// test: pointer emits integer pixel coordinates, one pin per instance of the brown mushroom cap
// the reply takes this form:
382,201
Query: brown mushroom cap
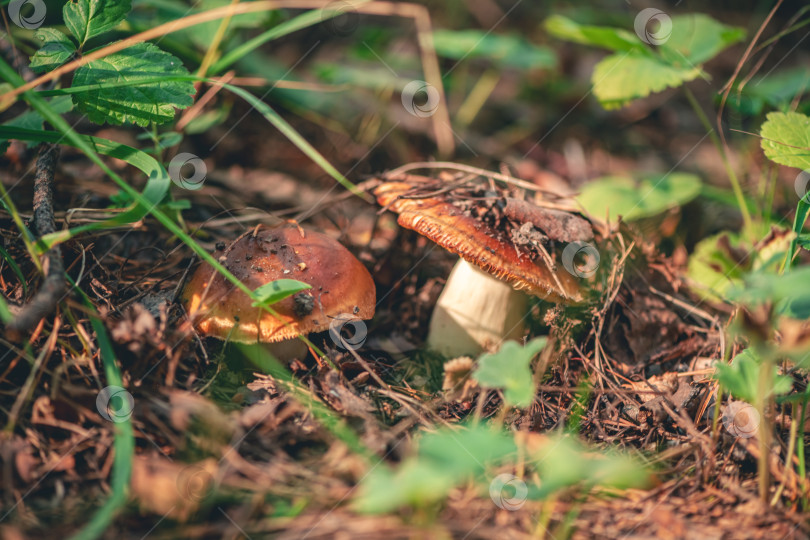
340,285
475,242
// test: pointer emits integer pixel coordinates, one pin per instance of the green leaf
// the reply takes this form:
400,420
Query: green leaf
697,38
741,378
564,462
621,78
278,290
55,51
775,89
33,120
445,459
5,315
713,268
786,139
153,193
636,71
508,369
619,196
615,39
510,50
414,483
468,451
140,105
88,18
789,292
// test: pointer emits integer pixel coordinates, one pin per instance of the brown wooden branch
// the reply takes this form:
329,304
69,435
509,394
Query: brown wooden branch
54,286
556,224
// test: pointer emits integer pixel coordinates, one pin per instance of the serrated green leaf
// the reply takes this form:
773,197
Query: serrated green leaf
741,377
33,120
88,18
140,105
635,71
276,291
697,38
621,78
619,196
505,49
786,139
57,48
508,369
615,39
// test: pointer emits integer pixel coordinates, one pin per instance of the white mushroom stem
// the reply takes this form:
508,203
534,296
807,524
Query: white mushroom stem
475,312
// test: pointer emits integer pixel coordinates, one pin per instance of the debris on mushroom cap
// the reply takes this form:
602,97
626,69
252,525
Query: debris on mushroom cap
461,225
340,285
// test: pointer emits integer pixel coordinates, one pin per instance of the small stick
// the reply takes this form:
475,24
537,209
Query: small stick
54,286
557,225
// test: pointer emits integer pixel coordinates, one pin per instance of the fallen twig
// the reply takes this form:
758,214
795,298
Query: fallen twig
53,287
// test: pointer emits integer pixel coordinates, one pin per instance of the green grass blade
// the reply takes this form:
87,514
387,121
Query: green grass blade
302,21
296,138
124,437
14,268
154,192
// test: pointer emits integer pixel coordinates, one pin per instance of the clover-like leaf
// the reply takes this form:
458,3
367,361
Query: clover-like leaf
153,101
786,139
57,48
741,378
509,370
88,18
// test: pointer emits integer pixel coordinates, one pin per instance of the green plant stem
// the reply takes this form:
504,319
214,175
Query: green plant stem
763,391
735,182
789,453
800,450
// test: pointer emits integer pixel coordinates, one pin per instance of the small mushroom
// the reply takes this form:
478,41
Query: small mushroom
341,288
482,304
